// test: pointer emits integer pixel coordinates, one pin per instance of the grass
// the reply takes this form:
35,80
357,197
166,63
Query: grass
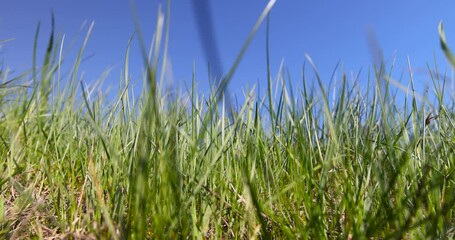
295,165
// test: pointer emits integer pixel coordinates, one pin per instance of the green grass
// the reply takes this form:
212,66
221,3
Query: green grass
295,165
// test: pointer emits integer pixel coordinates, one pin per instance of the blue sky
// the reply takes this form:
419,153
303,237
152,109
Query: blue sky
328,31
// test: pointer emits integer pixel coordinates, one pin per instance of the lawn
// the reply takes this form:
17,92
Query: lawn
294,165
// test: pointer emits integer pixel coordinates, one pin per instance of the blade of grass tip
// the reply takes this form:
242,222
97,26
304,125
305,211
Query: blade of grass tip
306,97
81,51
69,90
403,88
5,82
151,69
269,75
27,104
166,40
157,45
45,78
415,111
442,37
293,106
127,82
341,101
59,69
225,81
280,104
333,82
35,47
221,88
6,40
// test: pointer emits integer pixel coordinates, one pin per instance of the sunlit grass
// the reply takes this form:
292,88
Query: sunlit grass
294,165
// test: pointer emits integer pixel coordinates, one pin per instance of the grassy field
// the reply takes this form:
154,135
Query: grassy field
296,165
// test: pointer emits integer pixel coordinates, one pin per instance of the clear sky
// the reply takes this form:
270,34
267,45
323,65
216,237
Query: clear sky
329,31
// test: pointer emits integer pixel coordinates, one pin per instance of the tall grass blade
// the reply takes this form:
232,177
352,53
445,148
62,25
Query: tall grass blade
445,48
225,81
